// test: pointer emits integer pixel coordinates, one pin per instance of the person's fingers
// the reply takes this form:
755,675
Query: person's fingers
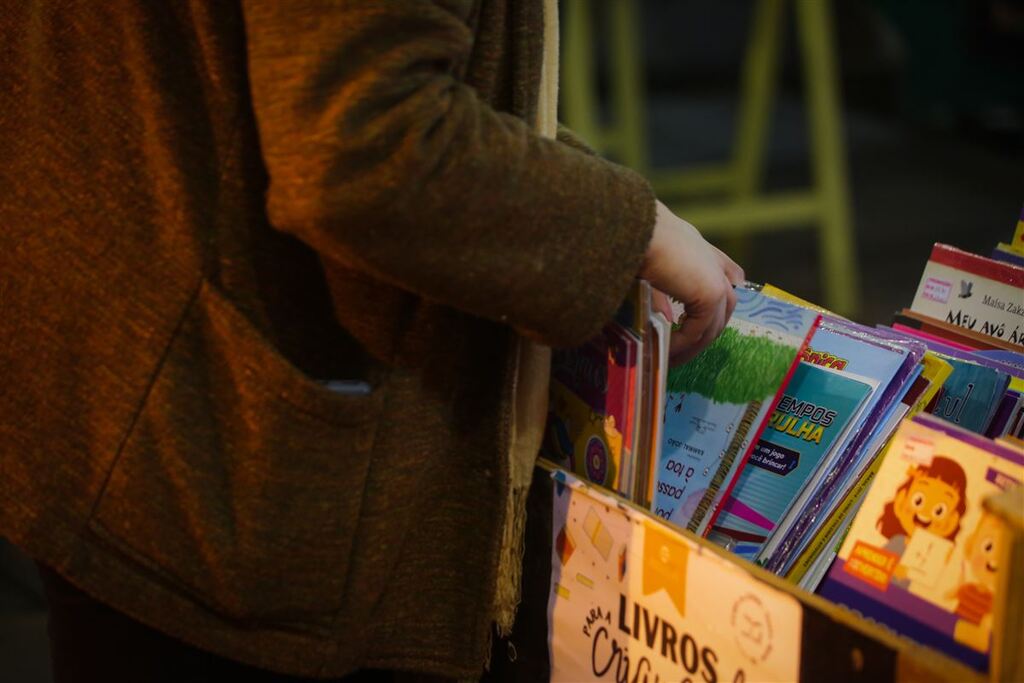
660,302
730,304
732,270
717,323
685,342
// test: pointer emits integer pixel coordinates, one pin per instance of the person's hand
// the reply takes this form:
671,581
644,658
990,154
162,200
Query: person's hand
682,264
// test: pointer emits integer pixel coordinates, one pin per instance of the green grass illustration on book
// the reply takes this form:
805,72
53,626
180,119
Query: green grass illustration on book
734,369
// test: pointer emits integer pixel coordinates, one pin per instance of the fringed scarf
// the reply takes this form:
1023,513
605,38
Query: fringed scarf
530,389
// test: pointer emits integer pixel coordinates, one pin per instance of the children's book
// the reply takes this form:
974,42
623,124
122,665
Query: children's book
923,556
973,292
1008,407
950,333
864,353
1018,235
590,405
718,404
970,396
661,330
633,316
1004,252
814,418
806,569
771,290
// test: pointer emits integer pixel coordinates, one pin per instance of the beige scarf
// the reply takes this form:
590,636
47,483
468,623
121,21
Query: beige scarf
530,388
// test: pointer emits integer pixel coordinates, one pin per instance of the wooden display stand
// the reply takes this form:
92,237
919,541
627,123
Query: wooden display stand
835,643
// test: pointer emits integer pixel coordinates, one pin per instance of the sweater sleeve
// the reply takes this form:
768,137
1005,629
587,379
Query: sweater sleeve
381,159
567,136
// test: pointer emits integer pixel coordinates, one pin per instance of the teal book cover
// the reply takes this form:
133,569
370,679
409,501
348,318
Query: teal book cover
970,396
817,410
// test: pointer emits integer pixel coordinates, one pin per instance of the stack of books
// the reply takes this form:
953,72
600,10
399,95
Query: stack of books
850,460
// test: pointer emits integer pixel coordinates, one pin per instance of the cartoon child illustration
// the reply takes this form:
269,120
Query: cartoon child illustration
933,498
974,597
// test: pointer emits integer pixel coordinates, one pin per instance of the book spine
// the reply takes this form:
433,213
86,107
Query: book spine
705,514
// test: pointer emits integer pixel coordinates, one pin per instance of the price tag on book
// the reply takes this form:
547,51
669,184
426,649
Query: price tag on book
633,600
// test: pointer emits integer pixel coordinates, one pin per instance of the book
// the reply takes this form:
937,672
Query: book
890,365
660,332
923,555
970,396
633,317
950,333
718,404
972,393
1007,409
814,417
817,553
771,290
1004,252
974,292
591,404
1018,234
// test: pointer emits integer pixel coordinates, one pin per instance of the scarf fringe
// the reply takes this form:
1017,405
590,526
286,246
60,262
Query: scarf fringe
510,568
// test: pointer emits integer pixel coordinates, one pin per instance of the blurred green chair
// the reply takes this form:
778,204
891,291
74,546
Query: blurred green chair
745,209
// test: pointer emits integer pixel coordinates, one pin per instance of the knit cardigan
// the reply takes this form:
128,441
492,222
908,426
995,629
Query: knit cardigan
210,207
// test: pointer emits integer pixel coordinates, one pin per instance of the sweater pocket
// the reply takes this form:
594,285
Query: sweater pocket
241,480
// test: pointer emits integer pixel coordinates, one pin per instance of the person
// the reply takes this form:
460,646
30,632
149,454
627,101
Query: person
277,284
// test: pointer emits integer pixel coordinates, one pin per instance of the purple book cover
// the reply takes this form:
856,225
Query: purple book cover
1005,411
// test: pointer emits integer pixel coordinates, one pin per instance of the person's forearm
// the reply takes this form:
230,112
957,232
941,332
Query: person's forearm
382,159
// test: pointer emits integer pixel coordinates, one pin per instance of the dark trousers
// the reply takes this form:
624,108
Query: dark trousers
92,643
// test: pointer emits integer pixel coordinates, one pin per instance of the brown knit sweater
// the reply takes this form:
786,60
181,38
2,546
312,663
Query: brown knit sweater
205,207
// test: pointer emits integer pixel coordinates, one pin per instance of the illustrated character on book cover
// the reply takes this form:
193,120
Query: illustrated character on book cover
978,576
923,519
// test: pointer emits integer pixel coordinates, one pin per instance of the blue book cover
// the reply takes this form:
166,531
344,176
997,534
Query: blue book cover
840,346
718,403
815,414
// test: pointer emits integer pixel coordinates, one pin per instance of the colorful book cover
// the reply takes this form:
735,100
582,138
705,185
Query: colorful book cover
718,404
1018,235
632,317
661,330
973,292
848,348
819,550
590,405
1014,358
814,416
1015,427
782,295
1004,252
970,396
1007,407
923,556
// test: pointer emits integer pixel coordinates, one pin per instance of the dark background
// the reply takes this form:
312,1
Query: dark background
934,126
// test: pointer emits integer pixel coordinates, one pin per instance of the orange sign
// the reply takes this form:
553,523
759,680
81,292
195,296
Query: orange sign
872,565
664,565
